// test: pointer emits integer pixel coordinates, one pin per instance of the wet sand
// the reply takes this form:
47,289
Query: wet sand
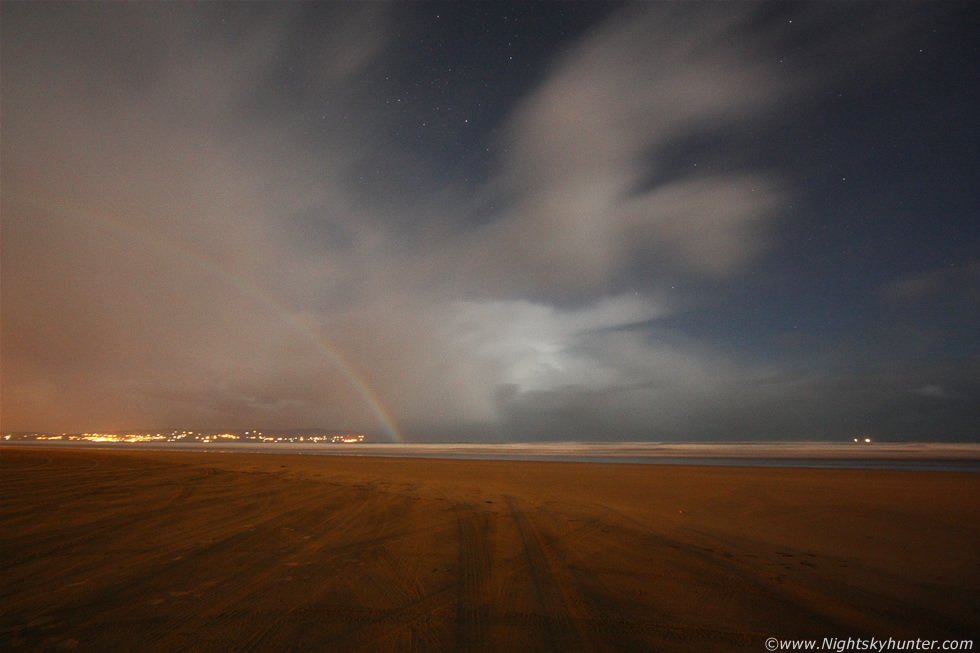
160,551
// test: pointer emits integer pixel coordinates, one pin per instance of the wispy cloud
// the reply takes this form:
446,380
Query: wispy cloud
951,281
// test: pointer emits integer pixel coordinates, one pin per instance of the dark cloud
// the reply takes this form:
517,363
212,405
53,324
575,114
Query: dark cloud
887,407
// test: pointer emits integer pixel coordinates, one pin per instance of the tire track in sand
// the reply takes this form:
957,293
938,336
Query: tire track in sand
552,584
472,628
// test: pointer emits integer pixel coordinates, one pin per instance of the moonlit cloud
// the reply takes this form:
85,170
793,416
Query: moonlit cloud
588,143
535,346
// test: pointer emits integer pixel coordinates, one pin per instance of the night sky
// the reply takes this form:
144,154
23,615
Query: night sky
493,220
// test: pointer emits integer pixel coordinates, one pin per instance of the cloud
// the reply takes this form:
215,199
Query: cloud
536,346
586,149
595,192
931,390
956,282
752,404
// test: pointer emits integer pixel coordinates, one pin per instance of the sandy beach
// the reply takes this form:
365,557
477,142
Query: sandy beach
166,551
